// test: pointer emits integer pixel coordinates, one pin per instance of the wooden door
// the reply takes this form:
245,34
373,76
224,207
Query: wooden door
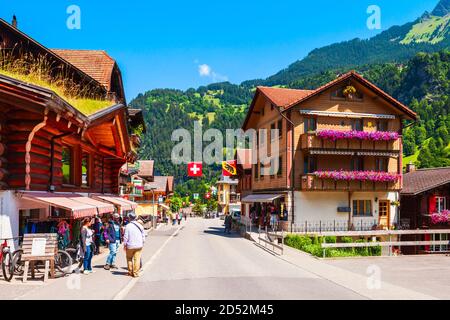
383,212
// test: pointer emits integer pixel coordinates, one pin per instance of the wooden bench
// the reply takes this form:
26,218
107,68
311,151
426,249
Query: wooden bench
39,247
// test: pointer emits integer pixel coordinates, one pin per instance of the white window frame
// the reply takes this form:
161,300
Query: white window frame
441,204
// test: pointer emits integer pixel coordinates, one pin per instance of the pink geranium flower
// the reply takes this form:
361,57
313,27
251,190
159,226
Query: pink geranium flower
359,135
358,175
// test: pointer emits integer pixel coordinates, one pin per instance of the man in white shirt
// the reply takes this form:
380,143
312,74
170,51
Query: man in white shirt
133,242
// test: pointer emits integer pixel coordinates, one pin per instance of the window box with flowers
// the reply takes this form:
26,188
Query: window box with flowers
442,217
341,175
334,135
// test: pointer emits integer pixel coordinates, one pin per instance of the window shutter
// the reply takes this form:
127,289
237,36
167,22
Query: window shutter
431,204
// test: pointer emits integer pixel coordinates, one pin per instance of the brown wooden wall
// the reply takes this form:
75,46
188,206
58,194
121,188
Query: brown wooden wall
16,127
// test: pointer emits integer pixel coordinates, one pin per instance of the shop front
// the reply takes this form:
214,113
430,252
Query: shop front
267,210
61,213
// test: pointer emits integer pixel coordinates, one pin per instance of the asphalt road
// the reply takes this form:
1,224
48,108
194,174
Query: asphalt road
200,262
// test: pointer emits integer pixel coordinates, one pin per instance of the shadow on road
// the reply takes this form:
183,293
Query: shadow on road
220,232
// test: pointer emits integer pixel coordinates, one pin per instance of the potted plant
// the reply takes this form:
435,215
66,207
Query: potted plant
349,92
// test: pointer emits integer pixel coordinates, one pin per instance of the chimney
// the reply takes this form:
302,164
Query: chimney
14,21
410,167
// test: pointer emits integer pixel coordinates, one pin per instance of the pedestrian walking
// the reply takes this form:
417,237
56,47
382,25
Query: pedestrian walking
228,221
87,243
185,216
133,242
179,217
98,232
173,217
113,240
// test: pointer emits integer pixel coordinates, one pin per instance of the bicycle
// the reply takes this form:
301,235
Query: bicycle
6,261
63,263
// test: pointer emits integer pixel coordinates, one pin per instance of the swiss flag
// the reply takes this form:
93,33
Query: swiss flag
195,169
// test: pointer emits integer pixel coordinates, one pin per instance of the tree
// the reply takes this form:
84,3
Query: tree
198,208
176,203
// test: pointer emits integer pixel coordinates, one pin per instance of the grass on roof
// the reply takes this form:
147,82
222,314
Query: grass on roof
36,71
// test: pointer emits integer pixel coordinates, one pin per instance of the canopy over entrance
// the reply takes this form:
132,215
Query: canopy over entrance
67,202
261,198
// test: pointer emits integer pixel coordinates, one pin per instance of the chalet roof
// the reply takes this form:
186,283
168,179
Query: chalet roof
288,98
159,184
16,31
422,180
137,118
145,168
282,97
96,63
362,80
244,158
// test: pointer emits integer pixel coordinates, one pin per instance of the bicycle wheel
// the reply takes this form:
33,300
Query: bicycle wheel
63,264
7,266
18,263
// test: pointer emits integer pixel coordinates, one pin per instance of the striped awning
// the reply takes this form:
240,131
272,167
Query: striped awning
378,154
333,152
124,204
261,198
347,114
63,201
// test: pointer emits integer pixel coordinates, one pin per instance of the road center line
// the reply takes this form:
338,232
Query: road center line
124,292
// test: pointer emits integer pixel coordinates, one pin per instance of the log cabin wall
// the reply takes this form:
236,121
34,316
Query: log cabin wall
19,127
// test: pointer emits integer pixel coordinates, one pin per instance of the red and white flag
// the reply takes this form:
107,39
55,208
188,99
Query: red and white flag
195,169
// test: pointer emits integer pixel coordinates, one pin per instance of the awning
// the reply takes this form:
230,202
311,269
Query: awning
102,207
78,209
126,205
261,198
164,206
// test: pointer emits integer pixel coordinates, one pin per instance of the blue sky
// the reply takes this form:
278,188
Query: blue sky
162,44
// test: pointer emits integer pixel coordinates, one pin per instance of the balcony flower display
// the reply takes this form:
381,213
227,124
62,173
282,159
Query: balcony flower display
358,175
440,217
360,135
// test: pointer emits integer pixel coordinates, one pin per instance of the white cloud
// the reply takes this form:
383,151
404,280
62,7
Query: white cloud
204,70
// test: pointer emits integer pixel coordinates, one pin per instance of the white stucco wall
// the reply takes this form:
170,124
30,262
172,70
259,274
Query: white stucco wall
322,206
10,204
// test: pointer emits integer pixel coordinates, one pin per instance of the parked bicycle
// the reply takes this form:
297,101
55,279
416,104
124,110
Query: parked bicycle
6,261
63,263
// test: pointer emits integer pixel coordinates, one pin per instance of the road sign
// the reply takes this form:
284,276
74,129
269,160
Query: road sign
195,196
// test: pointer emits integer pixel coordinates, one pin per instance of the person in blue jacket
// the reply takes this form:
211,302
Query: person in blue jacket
113,240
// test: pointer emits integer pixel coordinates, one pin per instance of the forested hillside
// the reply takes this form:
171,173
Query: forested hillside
418,79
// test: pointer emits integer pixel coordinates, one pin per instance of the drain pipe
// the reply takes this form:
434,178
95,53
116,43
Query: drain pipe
52,156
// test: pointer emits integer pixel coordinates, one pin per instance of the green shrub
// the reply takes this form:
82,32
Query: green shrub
362,251
346,239
330,239
375,251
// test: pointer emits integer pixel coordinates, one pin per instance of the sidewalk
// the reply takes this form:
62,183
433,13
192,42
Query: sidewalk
369,287
102,284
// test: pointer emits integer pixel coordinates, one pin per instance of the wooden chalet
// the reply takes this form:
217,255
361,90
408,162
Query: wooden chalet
55,160
340,155
426,193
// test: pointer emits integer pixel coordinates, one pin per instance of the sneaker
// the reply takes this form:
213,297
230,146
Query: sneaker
107,267
86,272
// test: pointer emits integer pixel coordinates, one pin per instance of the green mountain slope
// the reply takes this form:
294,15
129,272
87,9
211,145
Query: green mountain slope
430,33
417,73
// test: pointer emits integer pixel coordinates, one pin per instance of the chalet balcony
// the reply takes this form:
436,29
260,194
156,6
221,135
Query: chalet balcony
313,141
313,182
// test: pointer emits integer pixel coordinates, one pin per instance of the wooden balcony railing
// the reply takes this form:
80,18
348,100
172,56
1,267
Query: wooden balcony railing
311,182
311,141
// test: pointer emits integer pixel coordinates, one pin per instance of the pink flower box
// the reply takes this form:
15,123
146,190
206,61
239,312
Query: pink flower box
442,217
358,176
359,135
